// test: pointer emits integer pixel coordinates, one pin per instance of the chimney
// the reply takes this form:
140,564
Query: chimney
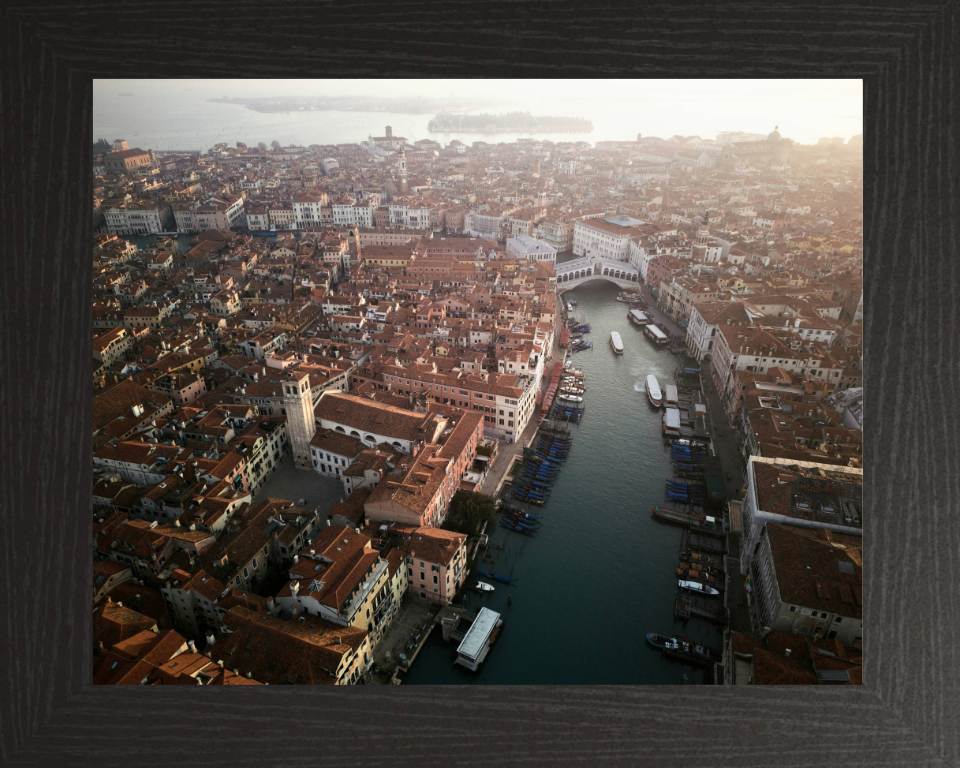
210,638
337,641
295,588
787,652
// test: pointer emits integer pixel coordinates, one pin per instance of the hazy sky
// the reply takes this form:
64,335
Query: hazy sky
805,109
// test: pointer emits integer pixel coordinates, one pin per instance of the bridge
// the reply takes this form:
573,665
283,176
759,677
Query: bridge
576,272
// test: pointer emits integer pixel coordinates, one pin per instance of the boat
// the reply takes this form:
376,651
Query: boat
653,390
667,643
484,587
569,307
637,317
659,337
696,586
571,398
670,395
676,516
671,422
572,391
497,576
616,342
572,302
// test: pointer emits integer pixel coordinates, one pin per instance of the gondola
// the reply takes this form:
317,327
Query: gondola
497,576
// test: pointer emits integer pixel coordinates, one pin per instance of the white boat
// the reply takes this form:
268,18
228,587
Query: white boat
572,391
571,398
569,307
616,342
637,317
658,336
696,586
484,587
670,397
653,390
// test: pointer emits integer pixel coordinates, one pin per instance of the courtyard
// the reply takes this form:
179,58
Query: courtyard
319,491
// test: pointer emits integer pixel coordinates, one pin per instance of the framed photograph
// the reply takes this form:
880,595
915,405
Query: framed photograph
532,393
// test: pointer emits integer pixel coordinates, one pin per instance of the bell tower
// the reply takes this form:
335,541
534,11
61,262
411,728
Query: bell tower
298,402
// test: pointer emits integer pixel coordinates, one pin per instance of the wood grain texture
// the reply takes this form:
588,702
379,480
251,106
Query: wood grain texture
906,714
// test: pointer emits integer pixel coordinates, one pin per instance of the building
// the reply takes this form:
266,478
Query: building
344,580
140,217
389,141
301,425
374,423
436,562
787,659
507,400
306,650
524,247
606,238
801,548
127,160
706,318
213,213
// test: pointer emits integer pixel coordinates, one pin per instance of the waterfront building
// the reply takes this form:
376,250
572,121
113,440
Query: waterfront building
606,238
780,658
137,217
436,561
802,547
223,212
524,247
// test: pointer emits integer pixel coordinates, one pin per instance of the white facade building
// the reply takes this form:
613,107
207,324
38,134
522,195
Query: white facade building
524,247
606,238
134,219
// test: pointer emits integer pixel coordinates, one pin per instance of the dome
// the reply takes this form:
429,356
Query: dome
774,135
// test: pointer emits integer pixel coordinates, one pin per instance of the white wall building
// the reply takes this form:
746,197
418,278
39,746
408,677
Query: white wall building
606,238
142,218
524,247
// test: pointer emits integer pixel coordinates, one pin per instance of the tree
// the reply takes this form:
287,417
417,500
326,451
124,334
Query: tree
468,511
275,144
262,147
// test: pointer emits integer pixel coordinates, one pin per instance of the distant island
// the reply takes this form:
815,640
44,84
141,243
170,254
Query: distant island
409,105
511,121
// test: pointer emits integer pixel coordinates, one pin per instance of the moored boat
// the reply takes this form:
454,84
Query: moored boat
570,398
659,337
484,587
667,643
653,390
637,317
677,516
696,586
496,576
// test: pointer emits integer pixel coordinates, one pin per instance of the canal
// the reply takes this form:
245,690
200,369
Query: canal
601,571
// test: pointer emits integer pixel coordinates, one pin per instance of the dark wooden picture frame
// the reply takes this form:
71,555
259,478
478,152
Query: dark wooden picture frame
908,710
